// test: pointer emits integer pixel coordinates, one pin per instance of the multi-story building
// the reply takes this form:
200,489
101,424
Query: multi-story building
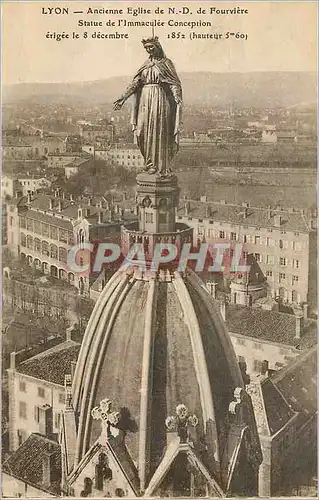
74,167
278,239
42,228
9,185
32,146
60,160
25,183
268,340
36,391
92,132
285,407
126,155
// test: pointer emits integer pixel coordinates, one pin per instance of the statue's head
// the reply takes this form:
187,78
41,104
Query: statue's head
153,47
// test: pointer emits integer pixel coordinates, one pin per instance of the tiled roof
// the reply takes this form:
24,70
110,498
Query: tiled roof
52,365
298,382
69,210
26,463
234,214
277,410
271,326
77,162
49,219
71,155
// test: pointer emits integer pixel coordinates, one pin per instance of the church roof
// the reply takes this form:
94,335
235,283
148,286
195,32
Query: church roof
155,341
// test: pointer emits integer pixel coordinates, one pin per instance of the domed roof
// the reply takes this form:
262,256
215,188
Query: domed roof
155,341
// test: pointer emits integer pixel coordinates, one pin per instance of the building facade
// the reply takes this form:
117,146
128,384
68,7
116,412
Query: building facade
36,392
41,229
126,155
279,241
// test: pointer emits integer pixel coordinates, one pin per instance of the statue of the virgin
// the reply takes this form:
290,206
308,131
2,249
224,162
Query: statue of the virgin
156,111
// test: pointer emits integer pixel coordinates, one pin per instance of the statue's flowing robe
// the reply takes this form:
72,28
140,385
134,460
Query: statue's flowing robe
156,115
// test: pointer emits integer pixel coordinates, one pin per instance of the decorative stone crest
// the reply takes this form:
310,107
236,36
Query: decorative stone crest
109,419
181,422
234,406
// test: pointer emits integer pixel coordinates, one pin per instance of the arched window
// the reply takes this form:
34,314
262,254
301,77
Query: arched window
63,255
53,251
45,248
37,245
29,242
81,236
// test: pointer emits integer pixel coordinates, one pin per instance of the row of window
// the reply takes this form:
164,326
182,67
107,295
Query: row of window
41,391
133,157
43,247
282,277
23,414
41,228
255,240
282,261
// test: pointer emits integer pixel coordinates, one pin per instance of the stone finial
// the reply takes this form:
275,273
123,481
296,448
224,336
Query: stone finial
181,422
234,405
109,419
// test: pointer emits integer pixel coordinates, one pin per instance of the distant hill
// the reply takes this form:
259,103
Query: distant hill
256,89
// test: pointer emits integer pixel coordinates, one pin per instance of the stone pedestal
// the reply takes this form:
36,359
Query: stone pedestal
157,200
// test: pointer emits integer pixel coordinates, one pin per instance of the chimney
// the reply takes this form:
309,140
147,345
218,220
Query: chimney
116,208
80,213
299,323
56,193
269,212
47,468
51,204
90,201
73,365
13,360
203,198
245,213
63,195
69,331
59,206
71,197
223,202
208,211
277,220
100,217
305,311
45,420
29,195
187,207
124,195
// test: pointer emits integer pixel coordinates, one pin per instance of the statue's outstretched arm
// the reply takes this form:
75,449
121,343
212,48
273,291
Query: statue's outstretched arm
132,88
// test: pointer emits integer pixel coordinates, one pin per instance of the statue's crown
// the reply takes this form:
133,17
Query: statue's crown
151,39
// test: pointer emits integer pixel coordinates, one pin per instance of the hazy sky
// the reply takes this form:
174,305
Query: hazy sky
281,36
